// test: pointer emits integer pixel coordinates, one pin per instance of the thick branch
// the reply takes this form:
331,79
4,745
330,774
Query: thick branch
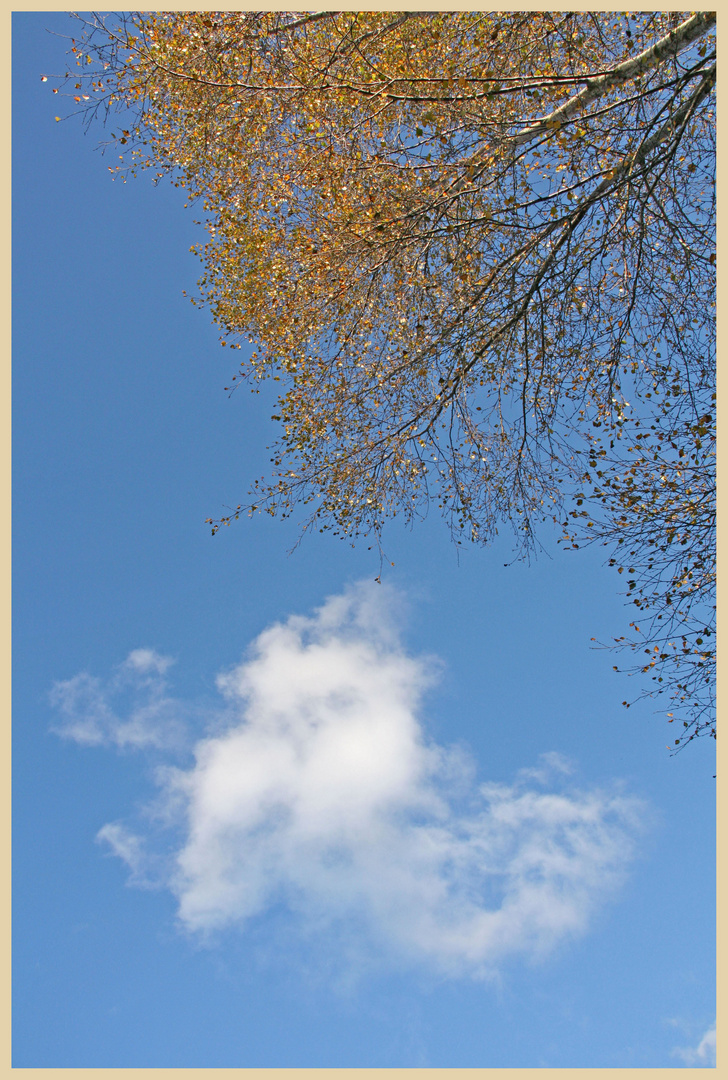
314,17
670,45
610,182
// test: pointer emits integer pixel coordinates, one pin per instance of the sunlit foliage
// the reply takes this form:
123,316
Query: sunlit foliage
476,250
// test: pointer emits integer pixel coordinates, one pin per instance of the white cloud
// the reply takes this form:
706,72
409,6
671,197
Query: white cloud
153,718
702,1054
551,762
322,794
147,660
128,847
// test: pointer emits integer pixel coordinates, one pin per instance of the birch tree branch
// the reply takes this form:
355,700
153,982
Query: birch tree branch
673,43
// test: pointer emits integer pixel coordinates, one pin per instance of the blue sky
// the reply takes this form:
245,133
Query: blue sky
268,813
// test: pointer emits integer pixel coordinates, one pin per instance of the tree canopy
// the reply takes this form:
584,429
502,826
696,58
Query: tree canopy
477,252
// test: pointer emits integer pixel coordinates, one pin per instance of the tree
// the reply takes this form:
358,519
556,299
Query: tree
476,250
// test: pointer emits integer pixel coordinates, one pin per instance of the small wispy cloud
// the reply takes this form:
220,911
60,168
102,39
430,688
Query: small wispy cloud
129,848
704,1053
91,713
321,793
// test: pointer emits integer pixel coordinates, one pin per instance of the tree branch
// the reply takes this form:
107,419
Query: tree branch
670,45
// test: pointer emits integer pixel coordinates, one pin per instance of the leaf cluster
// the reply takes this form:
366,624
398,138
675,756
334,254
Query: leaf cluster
476,251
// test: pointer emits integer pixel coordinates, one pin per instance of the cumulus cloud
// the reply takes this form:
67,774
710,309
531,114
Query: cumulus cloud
321,794
91,715
702,1054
